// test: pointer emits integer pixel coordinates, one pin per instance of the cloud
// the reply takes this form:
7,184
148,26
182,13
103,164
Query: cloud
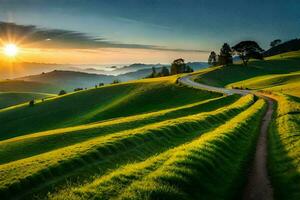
33,36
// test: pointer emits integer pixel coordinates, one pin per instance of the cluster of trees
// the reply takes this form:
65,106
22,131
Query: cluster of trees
245,50
178,66
116,81
164,72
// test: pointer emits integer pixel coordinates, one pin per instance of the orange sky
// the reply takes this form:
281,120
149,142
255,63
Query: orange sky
101,56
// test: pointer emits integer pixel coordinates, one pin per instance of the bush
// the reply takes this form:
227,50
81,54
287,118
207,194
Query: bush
31,103
116,81
77,89
62,92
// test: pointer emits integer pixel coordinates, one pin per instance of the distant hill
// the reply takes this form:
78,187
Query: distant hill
291,45
197,65
27,86
69,80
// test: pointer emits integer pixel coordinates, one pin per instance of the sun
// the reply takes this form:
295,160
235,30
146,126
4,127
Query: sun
11,50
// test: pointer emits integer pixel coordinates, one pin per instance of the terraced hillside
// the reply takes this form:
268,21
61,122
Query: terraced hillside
284,147
277,77
132,140
155,138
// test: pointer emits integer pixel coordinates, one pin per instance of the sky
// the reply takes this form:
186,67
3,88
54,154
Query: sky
148,31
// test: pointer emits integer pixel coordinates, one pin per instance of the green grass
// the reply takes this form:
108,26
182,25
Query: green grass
17,176
33,144
153,138
284,83
13,98
212,166
223,76
284,148
279,77
93,105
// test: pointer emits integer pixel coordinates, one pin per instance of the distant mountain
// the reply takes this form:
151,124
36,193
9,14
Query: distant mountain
135,67
135,75
27,86
197,65
291,45
69,80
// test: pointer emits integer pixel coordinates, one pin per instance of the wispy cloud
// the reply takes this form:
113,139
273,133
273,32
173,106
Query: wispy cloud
34,36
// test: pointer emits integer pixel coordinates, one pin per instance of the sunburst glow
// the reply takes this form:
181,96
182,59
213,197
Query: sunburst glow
11,50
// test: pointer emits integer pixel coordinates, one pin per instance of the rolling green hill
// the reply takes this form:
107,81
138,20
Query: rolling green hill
141,123
229,75
278,77
154,138
12,98
103,103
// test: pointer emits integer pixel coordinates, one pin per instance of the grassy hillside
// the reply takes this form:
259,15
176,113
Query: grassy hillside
228,75
12,98
104,152
284,147
278,77
93,105
284,83
153,138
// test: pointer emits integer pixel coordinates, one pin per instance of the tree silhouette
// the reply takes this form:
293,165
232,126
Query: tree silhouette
248,49
165,71
225,56
62,92
212,59
178,66
31,103
274,43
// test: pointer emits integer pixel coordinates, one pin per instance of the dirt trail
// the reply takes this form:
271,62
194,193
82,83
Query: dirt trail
258,184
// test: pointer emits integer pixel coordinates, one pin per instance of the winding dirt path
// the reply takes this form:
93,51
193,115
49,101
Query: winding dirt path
258,185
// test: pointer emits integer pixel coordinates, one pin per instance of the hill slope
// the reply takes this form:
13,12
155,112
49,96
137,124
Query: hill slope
12,98
237,75
99,104
279,78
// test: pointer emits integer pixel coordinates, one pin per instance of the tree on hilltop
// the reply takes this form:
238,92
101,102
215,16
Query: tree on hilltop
248,49
165,71
212,59
274,43
178,66
225,57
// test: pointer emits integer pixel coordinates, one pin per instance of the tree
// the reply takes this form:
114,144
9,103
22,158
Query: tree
178,66
31,103
248,49
153,74
165,71
225,56
77,89
116,81
62,92
274,43
212,59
